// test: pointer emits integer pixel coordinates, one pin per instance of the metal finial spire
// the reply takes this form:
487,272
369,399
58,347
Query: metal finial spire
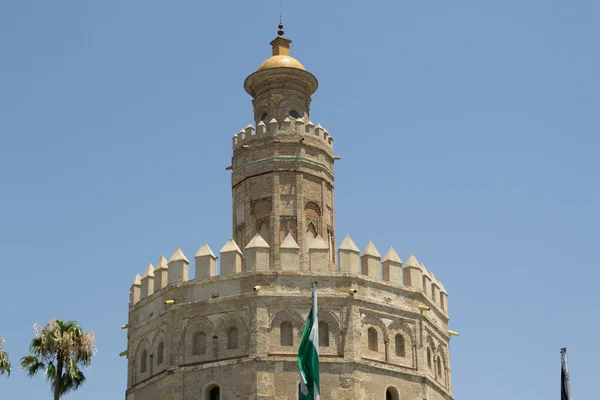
280,26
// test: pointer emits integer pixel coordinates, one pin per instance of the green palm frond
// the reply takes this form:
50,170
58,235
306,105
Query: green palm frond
50,372
31,365
4,364
4,361
73,376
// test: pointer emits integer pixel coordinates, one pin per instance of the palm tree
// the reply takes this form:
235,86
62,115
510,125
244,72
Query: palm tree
4,362
60,348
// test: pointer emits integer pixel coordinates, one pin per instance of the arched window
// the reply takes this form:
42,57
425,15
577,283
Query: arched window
144,362
232,338
439,366
429,357
311,234
286,333
312,211
160,353
199,344
372,336
214,393
400,346
323,334
391,394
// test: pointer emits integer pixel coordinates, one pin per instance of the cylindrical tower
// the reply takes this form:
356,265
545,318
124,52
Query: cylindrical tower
282,173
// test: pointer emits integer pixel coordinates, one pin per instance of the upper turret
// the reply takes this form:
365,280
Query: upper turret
281,86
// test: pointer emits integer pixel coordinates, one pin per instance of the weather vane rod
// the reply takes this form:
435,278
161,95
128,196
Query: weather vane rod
280,30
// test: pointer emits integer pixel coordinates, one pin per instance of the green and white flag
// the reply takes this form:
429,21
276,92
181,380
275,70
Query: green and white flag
308,354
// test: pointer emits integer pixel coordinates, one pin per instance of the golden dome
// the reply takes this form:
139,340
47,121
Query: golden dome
278,61
281,55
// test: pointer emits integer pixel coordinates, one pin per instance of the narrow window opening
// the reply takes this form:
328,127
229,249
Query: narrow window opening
323,334
160,353
391,394
372,337
199,344
232,338
400,346
286,333
214,393
144,362
429,357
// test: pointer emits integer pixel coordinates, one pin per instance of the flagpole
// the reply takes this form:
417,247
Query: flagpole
314,300
316,328
565,385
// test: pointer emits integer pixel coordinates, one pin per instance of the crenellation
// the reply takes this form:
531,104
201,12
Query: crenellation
443,297
290,254
435,289
319,131
231,258
135,291
349,256
257,254
249,131
147,286
392,267
161,274
370,261
261,128
412,273
290,126
178,267
310,128
300,127
317,254
273,126
205,261
426,280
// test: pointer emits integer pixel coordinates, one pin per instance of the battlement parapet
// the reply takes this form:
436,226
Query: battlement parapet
289,126
255,258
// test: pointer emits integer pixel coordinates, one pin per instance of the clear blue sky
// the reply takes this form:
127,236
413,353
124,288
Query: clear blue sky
468,131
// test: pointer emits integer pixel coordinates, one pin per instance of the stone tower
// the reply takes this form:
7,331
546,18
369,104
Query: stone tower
383,323
282,178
